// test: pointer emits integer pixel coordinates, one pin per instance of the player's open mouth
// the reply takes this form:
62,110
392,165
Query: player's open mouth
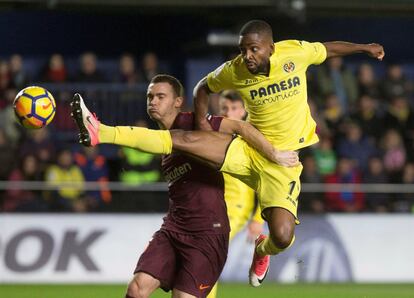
250,64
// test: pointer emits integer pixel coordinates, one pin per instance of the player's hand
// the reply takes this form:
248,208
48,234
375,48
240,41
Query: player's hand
203,124
375,50
286,158
254,229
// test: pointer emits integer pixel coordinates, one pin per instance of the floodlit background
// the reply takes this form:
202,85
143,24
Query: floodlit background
357,195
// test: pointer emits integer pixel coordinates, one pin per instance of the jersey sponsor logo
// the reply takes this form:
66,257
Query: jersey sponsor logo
289,67
276,98
177,172
275,87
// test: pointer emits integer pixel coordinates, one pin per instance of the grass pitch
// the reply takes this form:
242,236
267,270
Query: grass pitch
268,290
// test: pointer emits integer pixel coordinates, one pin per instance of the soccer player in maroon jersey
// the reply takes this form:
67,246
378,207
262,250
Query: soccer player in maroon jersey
189,251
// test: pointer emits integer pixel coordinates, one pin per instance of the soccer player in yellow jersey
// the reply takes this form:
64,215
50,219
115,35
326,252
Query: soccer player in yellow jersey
240,198
271,79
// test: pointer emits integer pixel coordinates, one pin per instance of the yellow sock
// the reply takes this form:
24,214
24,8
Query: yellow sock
141,138
213,292
267,247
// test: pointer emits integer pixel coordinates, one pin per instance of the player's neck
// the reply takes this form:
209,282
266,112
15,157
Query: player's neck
167,122
266,70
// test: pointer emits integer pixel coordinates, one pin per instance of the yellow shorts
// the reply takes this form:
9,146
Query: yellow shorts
276,186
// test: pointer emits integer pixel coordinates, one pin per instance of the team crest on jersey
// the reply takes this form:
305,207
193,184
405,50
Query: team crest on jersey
289,66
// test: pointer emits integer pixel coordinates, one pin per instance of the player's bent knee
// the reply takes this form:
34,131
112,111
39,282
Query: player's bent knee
137,289
133,288
282,236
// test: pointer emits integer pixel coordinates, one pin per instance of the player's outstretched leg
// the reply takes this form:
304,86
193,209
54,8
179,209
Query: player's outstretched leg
86,121
209,147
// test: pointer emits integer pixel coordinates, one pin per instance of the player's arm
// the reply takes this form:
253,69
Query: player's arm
218,80
255,138
341,48
201,98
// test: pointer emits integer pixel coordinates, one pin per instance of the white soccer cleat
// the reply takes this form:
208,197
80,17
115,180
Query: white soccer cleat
86,121
260,265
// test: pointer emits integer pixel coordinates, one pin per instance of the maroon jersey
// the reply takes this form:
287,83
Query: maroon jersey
196,191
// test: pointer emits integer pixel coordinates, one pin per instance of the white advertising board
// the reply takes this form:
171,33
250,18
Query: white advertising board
105,249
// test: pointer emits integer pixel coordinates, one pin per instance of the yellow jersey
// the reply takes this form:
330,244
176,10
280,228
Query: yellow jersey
277,103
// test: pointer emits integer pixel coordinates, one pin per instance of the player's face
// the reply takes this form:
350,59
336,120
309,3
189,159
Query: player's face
161,101
232,110
256,50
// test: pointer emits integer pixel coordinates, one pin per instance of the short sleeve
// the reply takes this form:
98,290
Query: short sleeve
315,52
215,122
221,78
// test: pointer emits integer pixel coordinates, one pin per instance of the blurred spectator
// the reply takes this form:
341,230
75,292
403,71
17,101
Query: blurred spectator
66,198
8,121
368,117
17,72
88,70
322,128
405,201
7,156
367,83
19,199
356,146
63,122
333,114
395,83
55,71
312,201
138,167
5,83
394,154
334,77
232,105
94,169
150,66
39,143
324,156
127,70
345,201
375,174
400,117
313,88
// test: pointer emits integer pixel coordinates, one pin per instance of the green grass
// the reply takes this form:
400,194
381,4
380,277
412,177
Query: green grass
268,290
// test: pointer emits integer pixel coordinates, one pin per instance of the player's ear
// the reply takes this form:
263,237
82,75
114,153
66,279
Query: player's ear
272,48
178,102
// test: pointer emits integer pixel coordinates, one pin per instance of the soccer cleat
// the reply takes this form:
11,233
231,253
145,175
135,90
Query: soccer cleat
260,265
87,122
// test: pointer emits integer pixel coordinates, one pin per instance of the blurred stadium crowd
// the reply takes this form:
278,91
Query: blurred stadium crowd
365,122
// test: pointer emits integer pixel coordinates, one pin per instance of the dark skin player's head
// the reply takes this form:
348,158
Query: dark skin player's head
256,46
164,99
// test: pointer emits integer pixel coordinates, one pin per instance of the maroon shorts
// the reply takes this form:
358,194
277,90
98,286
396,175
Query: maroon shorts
186,262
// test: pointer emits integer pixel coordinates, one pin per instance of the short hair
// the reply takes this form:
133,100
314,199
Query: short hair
174,82
232,95
257,26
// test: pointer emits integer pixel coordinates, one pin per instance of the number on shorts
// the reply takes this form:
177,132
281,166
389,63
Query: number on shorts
292,187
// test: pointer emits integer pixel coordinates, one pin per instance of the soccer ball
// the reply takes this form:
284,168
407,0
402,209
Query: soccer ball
34,107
